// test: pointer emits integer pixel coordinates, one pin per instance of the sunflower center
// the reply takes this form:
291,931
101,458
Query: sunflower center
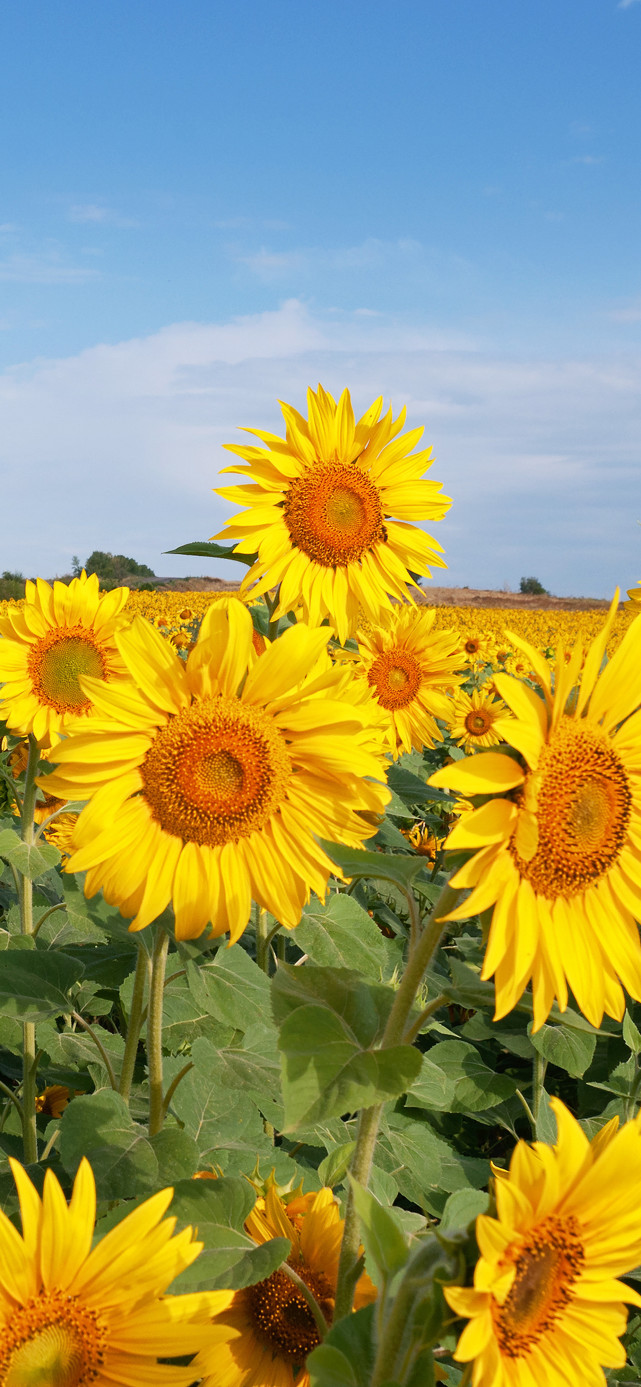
395,677
334,514
281,1316
216,772
583,802
51,1341
56,663
547,1265
472,646
477,722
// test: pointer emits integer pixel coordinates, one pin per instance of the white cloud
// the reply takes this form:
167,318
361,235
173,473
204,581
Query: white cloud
42,268
370,255
625,4
98,214
120,446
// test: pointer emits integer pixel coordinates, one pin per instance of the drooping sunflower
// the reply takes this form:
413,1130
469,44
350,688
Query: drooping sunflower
409,667
71,1316
209,780
558,853
49,642
333,511
262,1335
473,718
547,1307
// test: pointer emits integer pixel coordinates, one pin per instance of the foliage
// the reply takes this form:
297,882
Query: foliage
532,587
116,568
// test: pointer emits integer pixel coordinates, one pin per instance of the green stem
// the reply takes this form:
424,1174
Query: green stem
421,951
271,605
263,940
308,1295
10,1094
416,1026
29,1062
154,1032
539,1068
51,911
174,1085
134,1024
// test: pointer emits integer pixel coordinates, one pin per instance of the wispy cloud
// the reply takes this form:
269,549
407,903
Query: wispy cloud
626,4
541,456
99,215
44,268
587,159
627,312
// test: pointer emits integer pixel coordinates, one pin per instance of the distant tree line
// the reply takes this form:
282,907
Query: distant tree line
111,569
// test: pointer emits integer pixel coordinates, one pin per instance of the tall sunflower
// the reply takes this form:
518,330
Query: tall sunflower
49,641
332,511
209,780
409,667
558,853
262,1335
473,719
71,1316
547,1308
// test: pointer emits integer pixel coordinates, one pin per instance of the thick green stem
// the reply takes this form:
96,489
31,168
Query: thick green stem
539,1068
154,1032
263,940
134,1024
421,951
29,1066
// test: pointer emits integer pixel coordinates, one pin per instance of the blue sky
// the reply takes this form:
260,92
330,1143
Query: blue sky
205,205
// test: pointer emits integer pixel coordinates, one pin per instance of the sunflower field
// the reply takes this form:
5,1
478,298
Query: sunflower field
320,998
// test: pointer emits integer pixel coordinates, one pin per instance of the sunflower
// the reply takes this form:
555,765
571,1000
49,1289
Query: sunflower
320,507
210,779
71,1316
53,1100
547,1307
473,719
262,1335
558,854
424,841
409,666
60,833
50,641
478,649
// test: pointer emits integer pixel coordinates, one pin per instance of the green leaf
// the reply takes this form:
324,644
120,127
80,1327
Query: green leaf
425,1166
99,1126
35,985
461,1209
230,1259
329,1021
343,935
380,865
569,1049
432,1089
546,1126
346,1356
226,1125
384,1242
177,1155
230,987
631,1034
475,1086
207,549
32,860
333,1169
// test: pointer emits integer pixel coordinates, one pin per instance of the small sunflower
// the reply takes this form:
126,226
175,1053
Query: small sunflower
209,779
558,852
53,1100
478,649
71,1316
48,643
473,719
320,507
547,1306
409,666
424,841
60,833
262,1335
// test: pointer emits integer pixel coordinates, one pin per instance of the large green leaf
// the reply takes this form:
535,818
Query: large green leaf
346,1356
570,1049
230,987
425,1166
217,1210
204,548
375,865
342,935
330,1021
33,860
121,1156
34,985
475,1087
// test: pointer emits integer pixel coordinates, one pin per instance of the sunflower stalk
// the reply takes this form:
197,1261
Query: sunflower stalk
29,1061
135,1021
154,1032
423,945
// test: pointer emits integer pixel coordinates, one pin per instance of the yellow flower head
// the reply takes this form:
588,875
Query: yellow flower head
210,779
547,1308
263,1334
333,511
558,850
409,666
48,643
473,719
71,1316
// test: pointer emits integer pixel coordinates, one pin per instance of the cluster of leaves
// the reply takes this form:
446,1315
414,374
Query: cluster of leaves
112,569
